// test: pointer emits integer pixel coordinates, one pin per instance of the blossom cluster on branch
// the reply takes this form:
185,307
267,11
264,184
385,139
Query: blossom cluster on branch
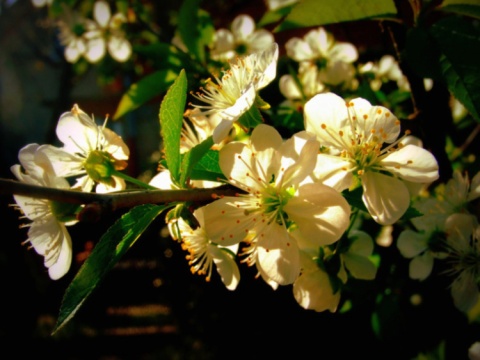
343,147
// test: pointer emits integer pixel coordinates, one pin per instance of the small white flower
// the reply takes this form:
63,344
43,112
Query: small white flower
310,84
203,253
90,151
242,39
271,172
107,35
72,28
47,232
318,45
386,69
355,133
233,95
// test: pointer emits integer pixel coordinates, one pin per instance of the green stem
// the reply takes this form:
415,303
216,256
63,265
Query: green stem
133,180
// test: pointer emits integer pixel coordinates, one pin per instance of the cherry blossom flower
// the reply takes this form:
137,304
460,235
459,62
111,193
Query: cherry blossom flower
72,29
235,93
355,133
47,232
331,59
319,44
242,39
203,253
272,173
107,35
93,152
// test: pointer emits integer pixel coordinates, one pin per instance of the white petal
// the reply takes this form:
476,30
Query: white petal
303,166
226,267
119,184
465,291
77,131
51,239
326,109
260,40
374,120
265,69
320,212
96,49
359,267
119,48
101,13
333,171
421,266
385,197
225,223
242,27
411,243
238,165
163,180
114,145
362,244
412,163
64,163
298,49
344,52
264,137
278,255
289,88
313,291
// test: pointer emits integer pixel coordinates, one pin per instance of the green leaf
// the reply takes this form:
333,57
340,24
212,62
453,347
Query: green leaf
460,65
196,28
146,89
315,13
208,168
250,118
163,55
462,7
171,120
109,250
192,157
274,16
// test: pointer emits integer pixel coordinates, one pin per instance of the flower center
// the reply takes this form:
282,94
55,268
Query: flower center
100,166
64,212
273,202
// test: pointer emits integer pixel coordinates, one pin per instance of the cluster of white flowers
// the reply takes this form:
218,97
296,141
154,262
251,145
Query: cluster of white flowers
290,218
90,154
93,38
449,231
290,211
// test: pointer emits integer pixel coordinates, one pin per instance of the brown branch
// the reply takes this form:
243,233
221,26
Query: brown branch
117,200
